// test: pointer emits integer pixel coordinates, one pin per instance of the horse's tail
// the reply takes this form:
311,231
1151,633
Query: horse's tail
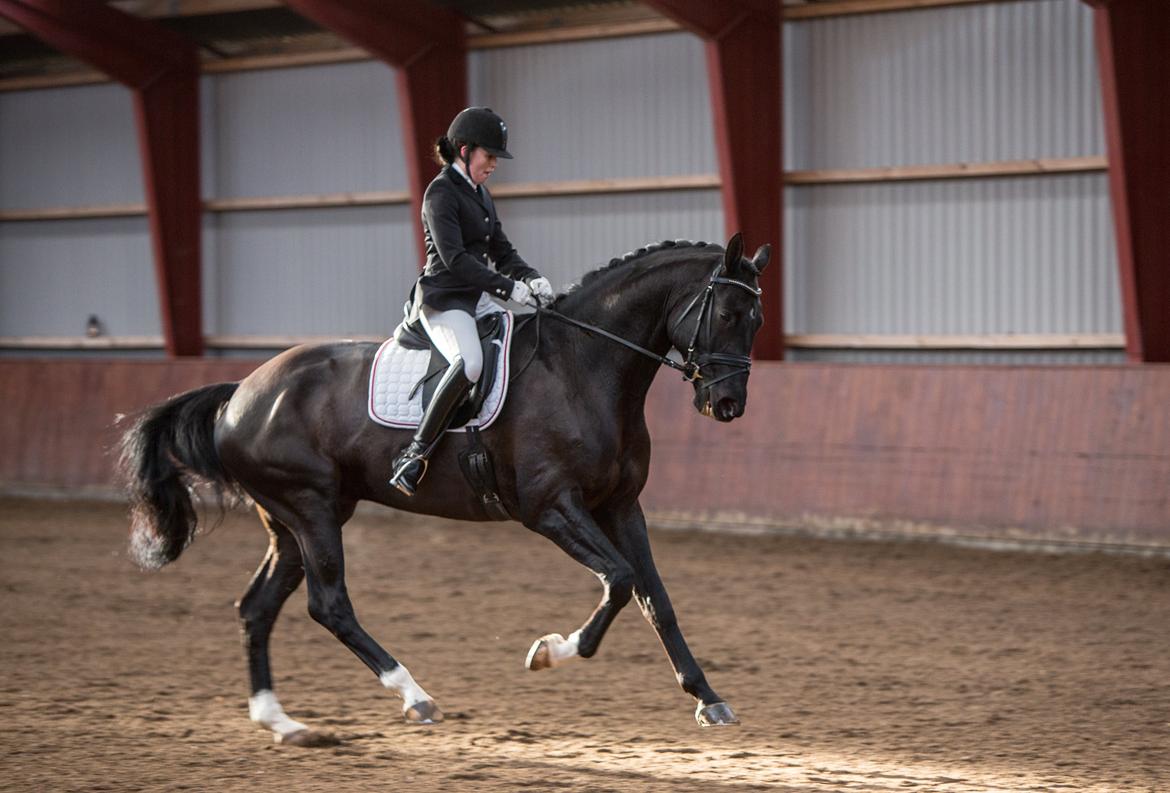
169,445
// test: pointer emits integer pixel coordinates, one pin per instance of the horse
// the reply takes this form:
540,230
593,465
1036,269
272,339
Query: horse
571,452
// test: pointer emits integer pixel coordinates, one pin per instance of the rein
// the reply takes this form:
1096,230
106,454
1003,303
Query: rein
691,367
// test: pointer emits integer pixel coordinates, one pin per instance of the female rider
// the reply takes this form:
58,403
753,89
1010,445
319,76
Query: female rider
463,235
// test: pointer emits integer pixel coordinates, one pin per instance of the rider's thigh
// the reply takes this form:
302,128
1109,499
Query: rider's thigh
455,335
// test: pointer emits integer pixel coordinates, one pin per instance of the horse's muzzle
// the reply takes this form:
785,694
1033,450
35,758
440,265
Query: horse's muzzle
722,409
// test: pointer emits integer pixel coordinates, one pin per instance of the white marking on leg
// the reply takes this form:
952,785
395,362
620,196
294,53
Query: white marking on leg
399,681
560,649
265,710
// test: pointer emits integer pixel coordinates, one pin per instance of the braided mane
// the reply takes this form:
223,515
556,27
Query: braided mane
639,254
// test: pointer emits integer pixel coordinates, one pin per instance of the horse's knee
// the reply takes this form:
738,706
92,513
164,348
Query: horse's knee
620,586
336,617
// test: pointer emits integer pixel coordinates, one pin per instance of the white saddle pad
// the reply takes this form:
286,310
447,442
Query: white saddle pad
397,370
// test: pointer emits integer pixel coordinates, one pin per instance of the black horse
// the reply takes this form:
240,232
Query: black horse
571,453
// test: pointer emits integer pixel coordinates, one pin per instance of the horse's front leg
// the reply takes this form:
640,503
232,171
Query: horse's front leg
627,526
568,524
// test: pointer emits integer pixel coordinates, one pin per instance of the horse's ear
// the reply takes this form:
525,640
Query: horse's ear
734,252
760,260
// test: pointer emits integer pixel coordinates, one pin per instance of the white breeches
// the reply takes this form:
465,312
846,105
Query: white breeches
455,335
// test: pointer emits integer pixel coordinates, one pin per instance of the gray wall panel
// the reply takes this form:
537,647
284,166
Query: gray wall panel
318,129
999,81
984,82
54,275
608,108
310,272
965,357
566,237
68,147
1013,255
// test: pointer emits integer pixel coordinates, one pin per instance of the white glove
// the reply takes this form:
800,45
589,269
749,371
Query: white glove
521,293
543,290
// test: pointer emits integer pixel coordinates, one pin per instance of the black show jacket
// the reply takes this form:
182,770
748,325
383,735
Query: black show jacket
464,236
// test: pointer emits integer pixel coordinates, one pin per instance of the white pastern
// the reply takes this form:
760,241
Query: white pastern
560,649
400,681
265,710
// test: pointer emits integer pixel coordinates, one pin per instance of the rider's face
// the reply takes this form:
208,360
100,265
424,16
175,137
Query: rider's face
481,164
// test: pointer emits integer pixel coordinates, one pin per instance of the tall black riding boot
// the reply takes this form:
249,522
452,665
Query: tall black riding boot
411,464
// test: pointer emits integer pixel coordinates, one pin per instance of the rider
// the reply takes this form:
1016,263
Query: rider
463,235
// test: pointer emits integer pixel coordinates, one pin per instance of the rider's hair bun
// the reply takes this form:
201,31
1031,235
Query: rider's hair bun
445,150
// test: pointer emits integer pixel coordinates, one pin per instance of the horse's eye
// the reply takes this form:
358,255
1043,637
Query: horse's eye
725,316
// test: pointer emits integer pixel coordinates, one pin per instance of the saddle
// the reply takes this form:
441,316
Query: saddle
492,333
407,369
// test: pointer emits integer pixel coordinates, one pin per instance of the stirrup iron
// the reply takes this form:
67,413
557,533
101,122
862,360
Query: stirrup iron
401,478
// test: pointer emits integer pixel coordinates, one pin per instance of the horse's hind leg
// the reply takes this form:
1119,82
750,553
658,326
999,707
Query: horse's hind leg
318,533
569,525
279,574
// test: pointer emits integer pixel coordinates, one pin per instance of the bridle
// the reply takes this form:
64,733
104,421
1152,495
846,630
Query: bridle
692,366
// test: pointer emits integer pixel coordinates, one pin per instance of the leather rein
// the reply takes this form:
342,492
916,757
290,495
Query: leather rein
692,365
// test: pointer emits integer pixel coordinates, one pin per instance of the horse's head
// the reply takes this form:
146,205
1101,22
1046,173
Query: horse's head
715,328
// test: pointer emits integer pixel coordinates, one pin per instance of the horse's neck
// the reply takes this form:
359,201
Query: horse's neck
635,309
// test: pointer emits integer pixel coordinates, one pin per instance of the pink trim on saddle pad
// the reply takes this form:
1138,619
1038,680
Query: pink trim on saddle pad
396,370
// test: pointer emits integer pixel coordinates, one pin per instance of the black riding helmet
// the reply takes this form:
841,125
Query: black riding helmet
480,126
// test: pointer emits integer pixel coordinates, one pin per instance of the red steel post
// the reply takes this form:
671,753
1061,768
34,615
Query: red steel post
1133,52
743,39
162,70
427,47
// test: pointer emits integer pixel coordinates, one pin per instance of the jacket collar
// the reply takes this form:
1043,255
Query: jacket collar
464,183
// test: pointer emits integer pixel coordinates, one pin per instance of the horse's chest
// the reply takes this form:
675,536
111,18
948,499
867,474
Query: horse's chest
607,461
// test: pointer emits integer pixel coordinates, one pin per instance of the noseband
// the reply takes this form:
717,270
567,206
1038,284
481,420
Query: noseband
691,367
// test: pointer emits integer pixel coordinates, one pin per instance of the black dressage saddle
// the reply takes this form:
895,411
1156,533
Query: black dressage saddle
492,332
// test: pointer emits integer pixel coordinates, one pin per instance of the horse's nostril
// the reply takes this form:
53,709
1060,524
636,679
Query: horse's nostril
727,407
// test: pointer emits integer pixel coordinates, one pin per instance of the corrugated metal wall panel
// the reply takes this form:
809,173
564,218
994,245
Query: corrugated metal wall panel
965,357
981,82
566,237
347,271
68,147
320,129
596,109
309,272
53,276
1000,81
1011,255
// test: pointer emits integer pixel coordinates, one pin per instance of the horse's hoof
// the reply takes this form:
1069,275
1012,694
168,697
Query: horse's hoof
425,712
717,714
308,739
540,655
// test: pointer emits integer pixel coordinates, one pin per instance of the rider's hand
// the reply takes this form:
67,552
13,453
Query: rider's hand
521,293
543,290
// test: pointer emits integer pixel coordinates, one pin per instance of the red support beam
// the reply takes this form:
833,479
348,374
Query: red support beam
427,47
162,69
1133,53
743,67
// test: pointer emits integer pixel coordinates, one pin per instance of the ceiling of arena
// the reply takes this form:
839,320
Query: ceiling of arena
244,28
